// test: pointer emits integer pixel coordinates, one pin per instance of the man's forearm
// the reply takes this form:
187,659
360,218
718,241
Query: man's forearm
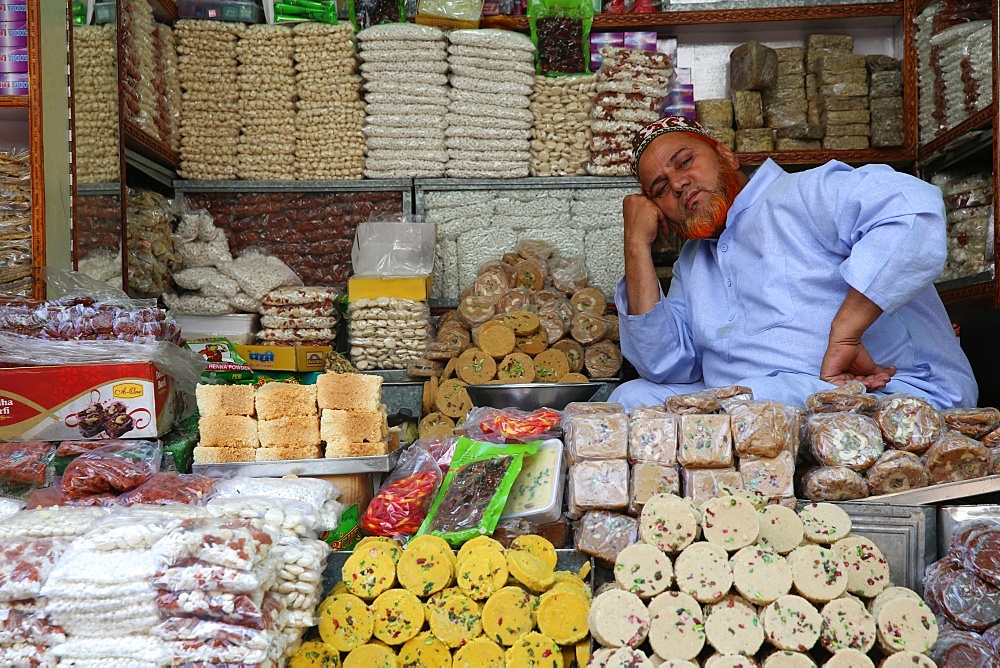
854,317
641,282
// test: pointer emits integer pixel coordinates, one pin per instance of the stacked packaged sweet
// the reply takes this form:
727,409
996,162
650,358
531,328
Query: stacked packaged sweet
596,437
84,318
387,333
151,259
137,66
15,223
969,203
736,584
299,316
95,102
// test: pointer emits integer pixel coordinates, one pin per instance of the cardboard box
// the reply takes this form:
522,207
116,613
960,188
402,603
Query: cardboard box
14,33
85,401
14,83
13,59
285,358
417,288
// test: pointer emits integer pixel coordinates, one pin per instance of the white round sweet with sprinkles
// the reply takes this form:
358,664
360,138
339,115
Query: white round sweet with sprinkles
780,529
792,623
702,570
731,522
760,574
618,619
731,661
786,659
867,568
674,663
907,659
817,574
846,625
644,570
676,628
669,522
824,523
849,658
734,629
627,657
906,624
890,594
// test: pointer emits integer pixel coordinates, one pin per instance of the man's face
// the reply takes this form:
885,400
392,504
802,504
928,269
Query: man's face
690,182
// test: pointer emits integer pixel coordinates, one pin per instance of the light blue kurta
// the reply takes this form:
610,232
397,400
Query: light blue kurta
755,306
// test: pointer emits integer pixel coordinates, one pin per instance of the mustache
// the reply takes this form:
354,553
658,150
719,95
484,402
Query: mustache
712,219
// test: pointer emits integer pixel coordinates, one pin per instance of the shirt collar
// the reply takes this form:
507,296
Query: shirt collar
760,180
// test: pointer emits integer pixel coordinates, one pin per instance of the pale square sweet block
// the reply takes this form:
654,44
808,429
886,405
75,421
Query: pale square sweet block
215,400
772,477
280,400
227,431
355,426
700,485
705,442
349,391
209,455
337,450
596,436
763,428
280,454
652,437
289,432
598,484
649,479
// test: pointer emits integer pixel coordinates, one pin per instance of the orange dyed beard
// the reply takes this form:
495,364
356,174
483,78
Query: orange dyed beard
709,222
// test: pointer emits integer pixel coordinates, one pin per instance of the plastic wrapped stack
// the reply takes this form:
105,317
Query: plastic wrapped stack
631,87
964,67
138,68
405,71
168,86
329,112
596,437
969,203
753,69
299,316
885,100
82,318
210,99
838,82
489,123
26,632
790,88
95,99
387,333
267,104
560,127
716,116
928,112
15,224
150,242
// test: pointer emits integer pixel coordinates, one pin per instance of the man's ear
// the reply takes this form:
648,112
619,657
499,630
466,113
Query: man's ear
727,155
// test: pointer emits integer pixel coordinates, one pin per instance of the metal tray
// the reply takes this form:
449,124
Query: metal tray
568,560
301,467
949,491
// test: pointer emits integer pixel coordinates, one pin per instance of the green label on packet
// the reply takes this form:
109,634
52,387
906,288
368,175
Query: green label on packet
348,532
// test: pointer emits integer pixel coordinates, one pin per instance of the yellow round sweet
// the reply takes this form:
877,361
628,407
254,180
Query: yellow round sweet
583,652
399,616
368,572
536,650
530,570
315,654
455,619
371,656
497,562
381,543
562,616
425,651
507,615
345,622
537,546
436,542
475,578
479,653
424,570
480,542
567,581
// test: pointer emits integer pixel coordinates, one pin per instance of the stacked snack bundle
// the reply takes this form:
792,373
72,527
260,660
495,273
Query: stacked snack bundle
790,88
791,588
299,316
138,65
716,116
560,125
596,437
329,112
353,420
267,104
968,200
753,69
631,88
885,100
15,224
963,70
151,258
26,631
201,247
227,424
838,83
95,103
387,332
489,124
404,67
167,85
287,422
208,69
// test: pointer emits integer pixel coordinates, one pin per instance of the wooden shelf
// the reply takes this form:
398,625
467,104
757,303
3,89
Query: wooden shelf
14,101
973,291
146,146
980,120
890,156
164,11
699,17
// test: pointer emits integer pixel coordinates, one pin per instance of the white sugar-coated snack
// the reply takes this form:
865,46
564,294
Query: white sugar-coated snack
627,657
284,514
101,567
817,573
734,629
122,532
849,658
644,570
703,571
730,661
824,523
907,659
786,659
760,574
780,529
867,568
847,625
393,32
730,522
135,648
492,38
792,623
57,521
669,522
313,491
906,624
618,619
676,628
890,594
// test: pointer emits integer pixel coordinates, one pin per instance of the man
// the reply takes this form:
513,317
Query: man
790,283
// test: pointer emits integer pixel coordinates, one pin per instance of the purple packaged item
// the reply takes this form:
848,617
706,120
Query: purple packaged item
13,11
14,33
642,40
668,47
13,83
13,59
601,39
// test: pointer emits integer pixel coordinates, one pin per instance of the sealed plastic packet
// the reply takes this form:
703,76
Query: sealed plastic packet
368,13
560,30
474,492
401,504
512,425
111,469
225,365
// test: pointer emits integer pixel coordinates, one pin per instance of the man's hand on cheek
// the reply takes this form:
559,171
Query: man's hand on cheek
642,220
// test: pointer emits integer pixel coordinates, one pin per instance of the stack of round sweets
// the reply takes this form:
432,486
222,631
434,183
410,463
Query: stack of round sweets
738,584
387,333
405,71
210,98
329,111
489,123
560,130
95,99
267,104
169,86
631,88
299,316
138,65
426,606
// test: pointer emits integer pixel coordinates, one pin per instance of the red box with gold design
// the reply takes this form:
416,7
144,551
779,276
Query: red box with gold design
85,401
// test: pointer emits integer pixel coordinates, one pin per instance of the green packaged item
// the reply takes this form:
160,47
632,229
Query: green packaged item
560,30
474,492
290,11
348,532
225,365
179,445
368,13
259,378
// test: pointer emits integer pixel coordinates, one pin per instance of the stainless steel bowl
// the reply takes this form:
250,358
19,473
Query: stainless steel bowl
529,396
